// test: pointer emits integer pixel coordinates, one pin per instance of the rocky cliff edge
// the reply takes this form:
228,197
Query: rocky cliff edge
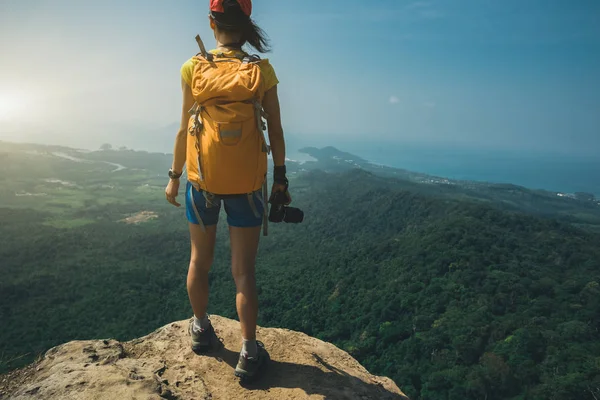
162,366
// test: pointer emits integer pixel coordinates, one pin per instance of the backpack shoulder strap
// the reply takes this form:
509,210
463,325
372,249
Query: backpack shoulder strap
203,51
251,59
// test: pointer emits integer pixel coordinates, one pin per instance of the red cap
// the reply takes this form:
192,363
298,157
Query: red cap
245,5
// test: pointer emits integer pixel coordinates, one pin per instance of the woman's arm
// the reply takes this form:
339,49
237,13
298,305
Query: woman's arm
276,140
179,152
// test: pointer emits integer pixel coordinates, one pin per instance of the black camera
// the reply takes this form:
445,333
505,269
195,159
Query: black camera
280,212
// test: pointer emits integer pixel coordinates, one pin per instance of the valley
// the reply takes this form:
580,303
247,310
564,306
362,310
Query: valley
453,290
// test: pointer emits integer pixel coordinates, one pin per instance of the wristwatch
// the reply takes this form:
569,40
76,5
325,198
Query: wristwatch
174,175
279,175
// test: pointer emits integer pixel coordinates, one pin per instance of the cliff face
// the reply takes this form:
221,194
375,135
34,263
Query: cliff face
162,365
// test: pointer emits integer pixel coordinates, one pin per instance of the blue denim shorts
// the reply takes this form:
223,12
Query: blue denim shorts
243,210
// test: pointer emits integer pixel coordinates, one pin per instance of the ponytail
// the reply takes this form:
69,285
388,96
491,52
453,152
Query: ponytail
255,37
248,32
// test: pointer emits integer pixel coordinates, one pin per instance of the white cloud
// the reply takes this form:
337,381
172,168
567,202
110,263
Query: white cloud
429,104
394,100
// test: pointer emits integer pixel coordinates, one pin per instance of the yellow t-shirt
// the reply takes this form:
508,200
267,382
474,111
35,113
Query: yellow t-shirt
268,73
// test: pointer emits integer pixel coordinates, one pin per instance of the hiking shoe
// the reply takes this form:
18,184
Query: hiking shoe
249,368
204,340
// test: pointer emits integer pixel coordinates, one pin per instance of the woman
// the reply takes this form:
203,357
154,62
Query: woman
233,28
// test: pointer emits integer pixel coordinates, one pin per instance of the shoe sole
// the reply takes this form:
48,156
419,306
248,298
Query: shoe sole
205,349
199,348
244,378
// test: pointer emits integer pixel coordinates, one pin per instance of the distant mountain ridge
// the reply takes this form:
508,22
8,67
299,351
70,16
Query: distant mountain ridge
331,155
332,152
581,209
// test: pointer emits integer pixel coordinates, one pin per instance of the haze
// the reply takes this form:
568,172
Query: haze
480,74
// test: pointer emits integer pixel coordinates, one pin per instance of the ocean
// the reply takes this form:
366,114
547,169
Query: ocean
558,173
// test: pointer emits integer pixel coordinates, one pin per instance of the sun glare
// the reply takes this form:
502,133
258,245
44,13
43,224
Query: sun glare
12,105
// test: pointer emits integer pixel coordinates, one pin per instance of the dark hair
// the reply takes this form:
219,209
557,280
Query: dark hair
234,21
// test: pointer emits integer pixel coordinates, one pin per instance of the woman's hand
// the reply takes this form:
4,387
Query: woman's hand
277,187
172,191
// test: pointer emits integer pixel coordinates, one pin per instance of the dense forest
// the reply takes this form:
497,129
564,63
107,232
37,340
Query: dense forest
451,298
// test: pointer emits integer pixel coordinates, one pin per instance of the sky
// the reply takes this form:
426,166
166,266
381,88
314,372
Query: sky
505,75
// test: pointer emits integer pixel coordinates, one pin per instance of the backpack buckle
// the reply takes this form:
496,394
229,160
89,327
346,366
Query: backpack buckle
197,126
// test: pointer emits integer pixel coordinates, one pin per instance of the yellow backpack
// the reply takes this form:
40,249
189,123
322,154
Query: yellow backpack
226,146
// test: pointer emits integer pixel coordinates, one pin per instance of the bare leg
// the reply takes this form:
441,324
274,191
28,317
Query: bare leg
203,249
244,247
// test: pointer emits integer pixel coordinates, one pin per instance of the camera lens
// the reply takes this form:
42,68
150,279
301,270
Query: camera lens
277,213
293,215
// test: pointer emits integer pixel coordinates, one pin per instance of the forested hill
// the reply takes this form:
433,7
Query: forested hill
454,300
579,209
451,298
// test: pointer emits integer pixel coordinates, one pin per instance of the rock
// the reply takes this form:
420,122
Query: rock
162,366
